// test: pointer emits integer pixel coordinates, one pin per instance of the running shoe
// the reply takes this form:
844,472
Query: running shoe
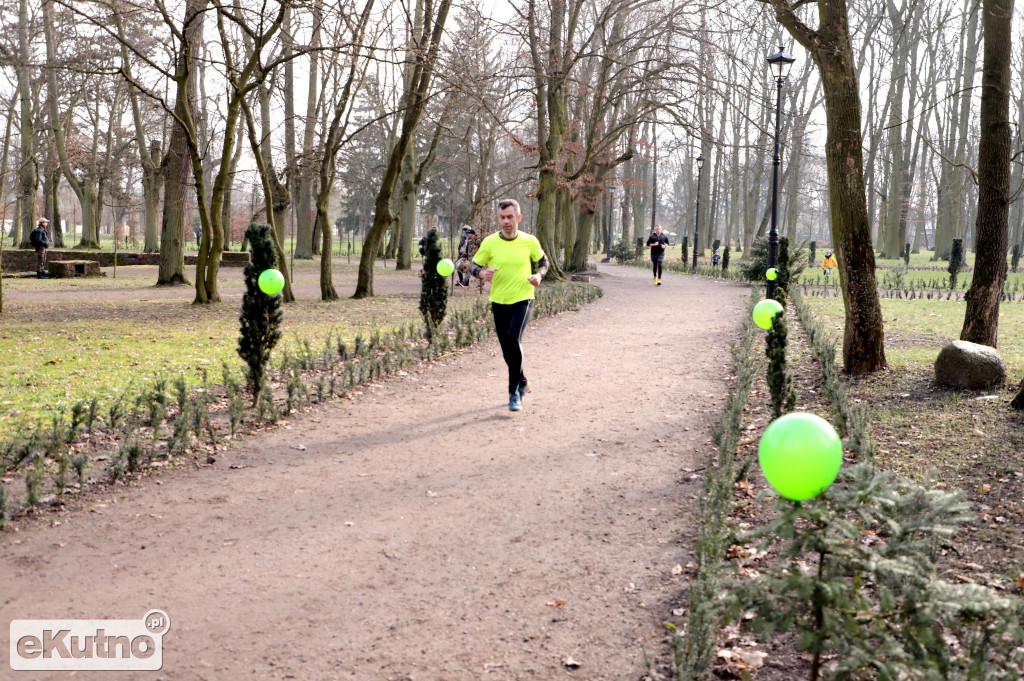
515,401
658,282
522,390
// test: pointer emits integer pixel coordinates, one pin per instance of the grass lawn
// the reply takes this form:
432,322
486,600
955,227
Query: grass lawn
71,340
973,440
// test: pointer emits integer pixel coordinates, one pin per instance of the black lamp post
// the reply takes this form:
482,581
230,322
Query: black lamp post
696,219
780,63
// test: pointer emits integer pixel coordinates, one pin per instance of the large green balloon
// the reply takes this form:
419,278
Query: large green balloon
765,311
445,267
271,282
800,455
771,273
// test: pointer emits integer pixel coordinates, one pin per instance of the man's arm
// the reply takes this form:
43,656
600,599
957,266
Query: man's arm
542,265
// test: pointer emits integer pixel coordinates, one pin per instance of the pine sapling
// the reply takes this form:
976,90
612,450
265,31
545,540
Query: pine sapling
80,462
5,505
90,416
260,318
956,262
433,287
60,474
78,412
33,480
1015,258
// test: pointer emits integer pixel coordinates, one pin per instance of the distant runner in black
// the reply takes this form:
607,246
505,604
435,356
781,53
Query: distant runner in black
657,242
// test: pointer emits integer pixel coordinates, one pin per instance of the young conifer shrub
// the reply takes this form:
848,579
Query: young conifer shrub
725,259
685,250
812,254
260,318
33,480
780,380
78,412
956,262
60,474
115,412
5,505
433,287
1015,257
906,254
80,462
90,416
856,580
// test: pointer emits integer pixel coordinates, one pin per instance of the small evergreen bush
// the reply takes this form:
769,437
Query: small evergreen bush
261,314
725,259
686,251
956,262
812,254
1015,257
856,579
433,288
757,263
623,252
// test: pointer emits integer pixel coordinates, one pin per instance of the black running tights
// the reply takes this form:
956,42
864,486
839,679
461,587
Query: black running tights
656,266
509,322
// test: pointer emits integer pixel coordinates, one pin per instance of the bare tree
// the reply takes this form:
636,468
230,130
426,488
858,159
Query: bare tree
428,45
829,44
981,319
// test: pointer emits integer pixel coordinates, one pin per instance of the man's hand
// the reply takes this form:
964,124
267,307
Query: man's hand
488,274
534,279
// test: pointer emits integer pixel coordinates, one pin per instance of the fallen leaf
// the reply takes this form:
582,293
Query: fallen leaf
555,602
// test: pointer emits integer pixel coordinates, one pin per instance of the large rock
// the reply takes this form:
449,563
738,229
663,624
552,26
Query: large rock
969,365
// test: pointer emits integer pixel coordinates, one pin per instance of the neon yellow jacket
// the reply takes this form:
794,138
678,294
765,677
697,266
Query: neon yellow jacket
829,263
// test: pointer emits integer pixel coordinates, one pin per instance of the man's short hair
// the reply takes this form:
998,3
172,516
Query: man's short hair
505,203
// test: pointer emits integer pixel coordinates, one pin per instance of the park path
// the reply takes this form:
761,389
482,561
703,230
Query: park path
421,530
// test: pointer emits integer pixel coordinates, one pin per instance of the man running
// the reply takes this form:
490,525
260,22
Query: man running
657,243
506,259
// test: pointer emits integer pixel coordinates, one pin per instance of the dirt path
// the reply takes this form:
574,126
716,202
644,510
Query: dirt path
422,531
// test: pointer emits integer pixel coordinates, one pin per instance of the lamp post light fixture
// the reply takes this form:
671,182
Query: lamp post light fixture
780,62
696,219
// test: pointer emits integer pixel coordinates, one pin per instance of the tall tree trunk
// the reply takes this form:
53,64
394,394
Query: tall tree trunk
981,320
177,164
51,194
863,339
27,173
414,102
151,180
149,155
960,181
305,220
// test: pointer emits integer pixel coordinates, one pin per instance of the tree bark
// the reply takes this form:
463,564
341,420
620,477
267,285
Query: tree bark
863,339
28,173
981,320
413,104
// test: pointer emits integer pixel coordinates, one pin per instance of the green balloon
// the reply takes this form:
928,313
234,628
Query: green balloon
271,282
445,267
765,311
772,274
800,455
